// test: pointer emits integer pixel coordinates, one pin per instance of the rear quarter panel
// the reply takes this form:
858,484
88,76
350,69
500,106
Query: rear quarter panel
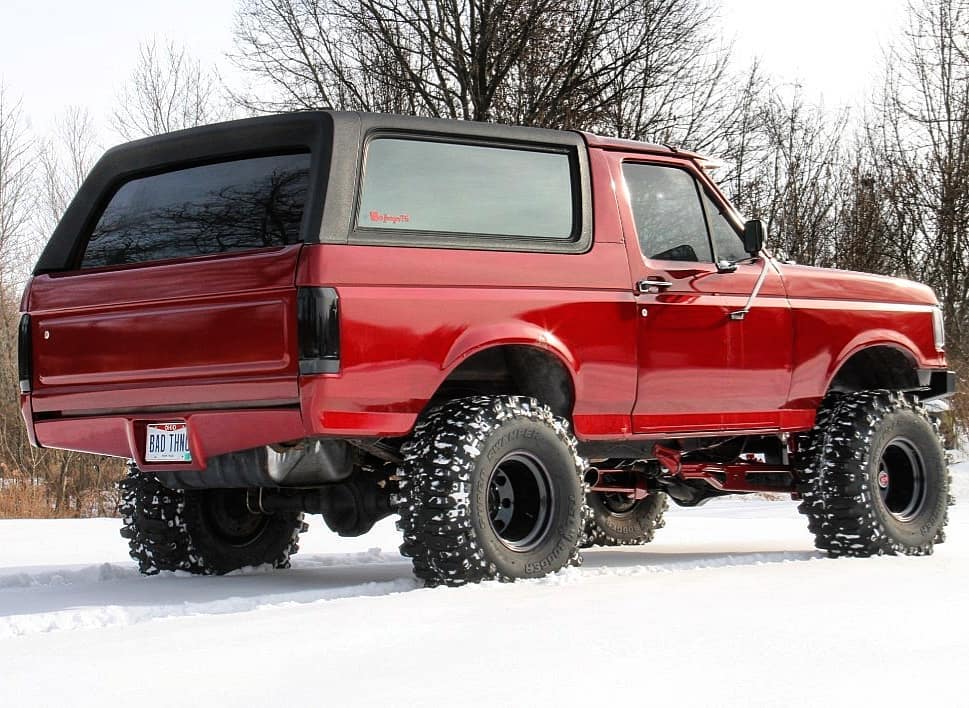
409,316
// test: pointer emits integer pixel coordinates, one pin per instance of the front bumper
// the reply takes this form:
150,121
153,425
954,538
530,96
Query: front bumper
937,384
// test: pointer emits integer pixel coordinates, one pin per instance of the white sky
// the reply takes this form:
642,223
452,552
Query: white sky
78,52
832,47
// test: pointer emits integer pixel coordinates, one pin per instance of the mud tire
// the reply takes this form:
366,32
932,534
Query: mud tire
873,476
170,529
456,464
609,525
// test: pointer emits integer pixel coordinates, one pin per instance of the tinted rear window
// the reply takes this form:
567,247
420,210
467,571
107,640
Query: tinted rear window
450,188
228,206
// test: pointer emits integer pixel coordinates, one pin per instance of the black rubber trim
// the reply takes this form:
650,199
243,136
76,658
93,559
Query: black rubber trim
177,410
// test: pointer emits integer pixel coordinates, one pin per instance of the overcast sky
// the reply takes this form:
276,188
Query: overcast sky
832,47
54,54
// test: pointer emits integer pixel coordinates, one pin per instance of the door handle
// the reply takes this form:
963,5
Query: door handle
643,286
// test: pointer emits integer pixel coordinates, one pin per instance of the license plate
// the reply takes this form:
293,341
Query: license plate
167,442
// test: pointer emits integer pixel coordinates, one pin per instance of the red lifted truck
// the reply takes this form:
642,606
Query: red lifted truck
521,341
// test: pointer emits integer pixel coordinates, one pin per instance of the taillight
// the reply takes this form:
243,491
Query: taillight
23,354
318,319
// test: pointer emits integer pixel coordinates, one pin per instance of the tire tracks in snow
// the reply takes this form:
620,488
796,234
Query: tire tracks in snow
113,595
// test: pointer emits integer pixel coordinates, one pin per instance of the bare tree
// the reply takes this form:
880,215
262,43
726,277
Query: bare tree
168,90
737,138
16,174
64,161
791,173
673,84
38,482
15,200
635,68
866,240
918,138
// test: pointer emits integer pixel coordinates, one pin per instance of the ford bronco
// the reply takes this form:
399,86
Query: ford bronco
520,341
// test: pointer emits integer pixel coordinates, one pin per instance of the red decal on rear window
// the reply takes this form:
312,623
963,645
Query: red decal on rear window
381,218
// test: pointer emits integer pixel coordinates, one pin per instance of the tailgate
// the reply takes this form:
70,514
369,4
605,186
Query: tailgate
216,331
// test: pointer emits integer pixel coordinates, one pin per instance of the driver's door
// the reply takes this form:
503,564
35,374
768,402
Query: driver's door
699,370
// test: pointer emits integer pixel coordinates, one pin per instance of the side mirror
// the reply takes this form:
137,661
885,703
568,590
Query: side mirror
754,233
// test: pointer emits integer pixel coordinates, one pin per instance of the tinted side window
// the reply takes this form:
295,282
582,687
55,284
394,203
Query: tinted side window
726,242
415,185
666,207
228,206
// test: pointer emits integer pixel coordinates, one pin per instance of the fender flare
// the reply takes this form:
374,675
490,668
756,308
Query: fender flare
479,339
871,339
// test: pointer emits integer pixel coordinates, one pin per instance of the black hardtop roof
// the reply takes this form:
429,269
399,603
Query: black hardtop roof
334,136
171,142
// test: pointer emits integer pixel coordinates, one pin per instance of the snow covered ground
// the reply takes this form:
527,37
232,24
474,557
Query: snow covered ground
730,605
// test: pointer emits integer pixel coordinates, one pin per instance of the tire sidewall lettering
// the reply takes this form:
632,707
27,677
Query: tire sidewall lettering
557,547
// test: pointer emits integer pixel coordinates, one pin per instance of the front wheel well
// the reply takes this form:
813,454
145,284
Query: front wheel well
878,367
513,370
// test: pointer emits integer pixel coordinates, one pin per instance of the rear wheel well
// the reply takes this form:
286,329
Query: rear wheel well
512,369
876,367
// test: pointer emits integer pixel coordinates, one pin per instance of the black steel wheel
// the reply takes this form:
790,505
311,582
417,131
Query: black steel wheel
228,535
203,532
228,518
520,500
901,479
491,488
873,476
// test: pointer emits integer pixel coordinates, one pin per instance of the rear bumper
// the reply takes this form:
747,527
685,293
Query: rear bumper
211,433
938,384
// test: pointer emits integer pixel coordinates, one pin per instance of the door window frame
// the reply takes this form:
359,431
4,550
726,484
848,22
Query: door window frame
564,142
703,184
627,214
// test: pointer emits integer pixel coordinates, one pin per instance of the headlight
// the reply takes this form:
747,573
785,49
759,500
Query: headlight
938,328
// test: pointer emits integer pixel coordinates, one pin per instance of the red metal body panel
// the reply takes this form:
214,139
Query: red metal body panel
212,340
838,313
688,343
410,316
157,342
181,334
211,433
633,146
